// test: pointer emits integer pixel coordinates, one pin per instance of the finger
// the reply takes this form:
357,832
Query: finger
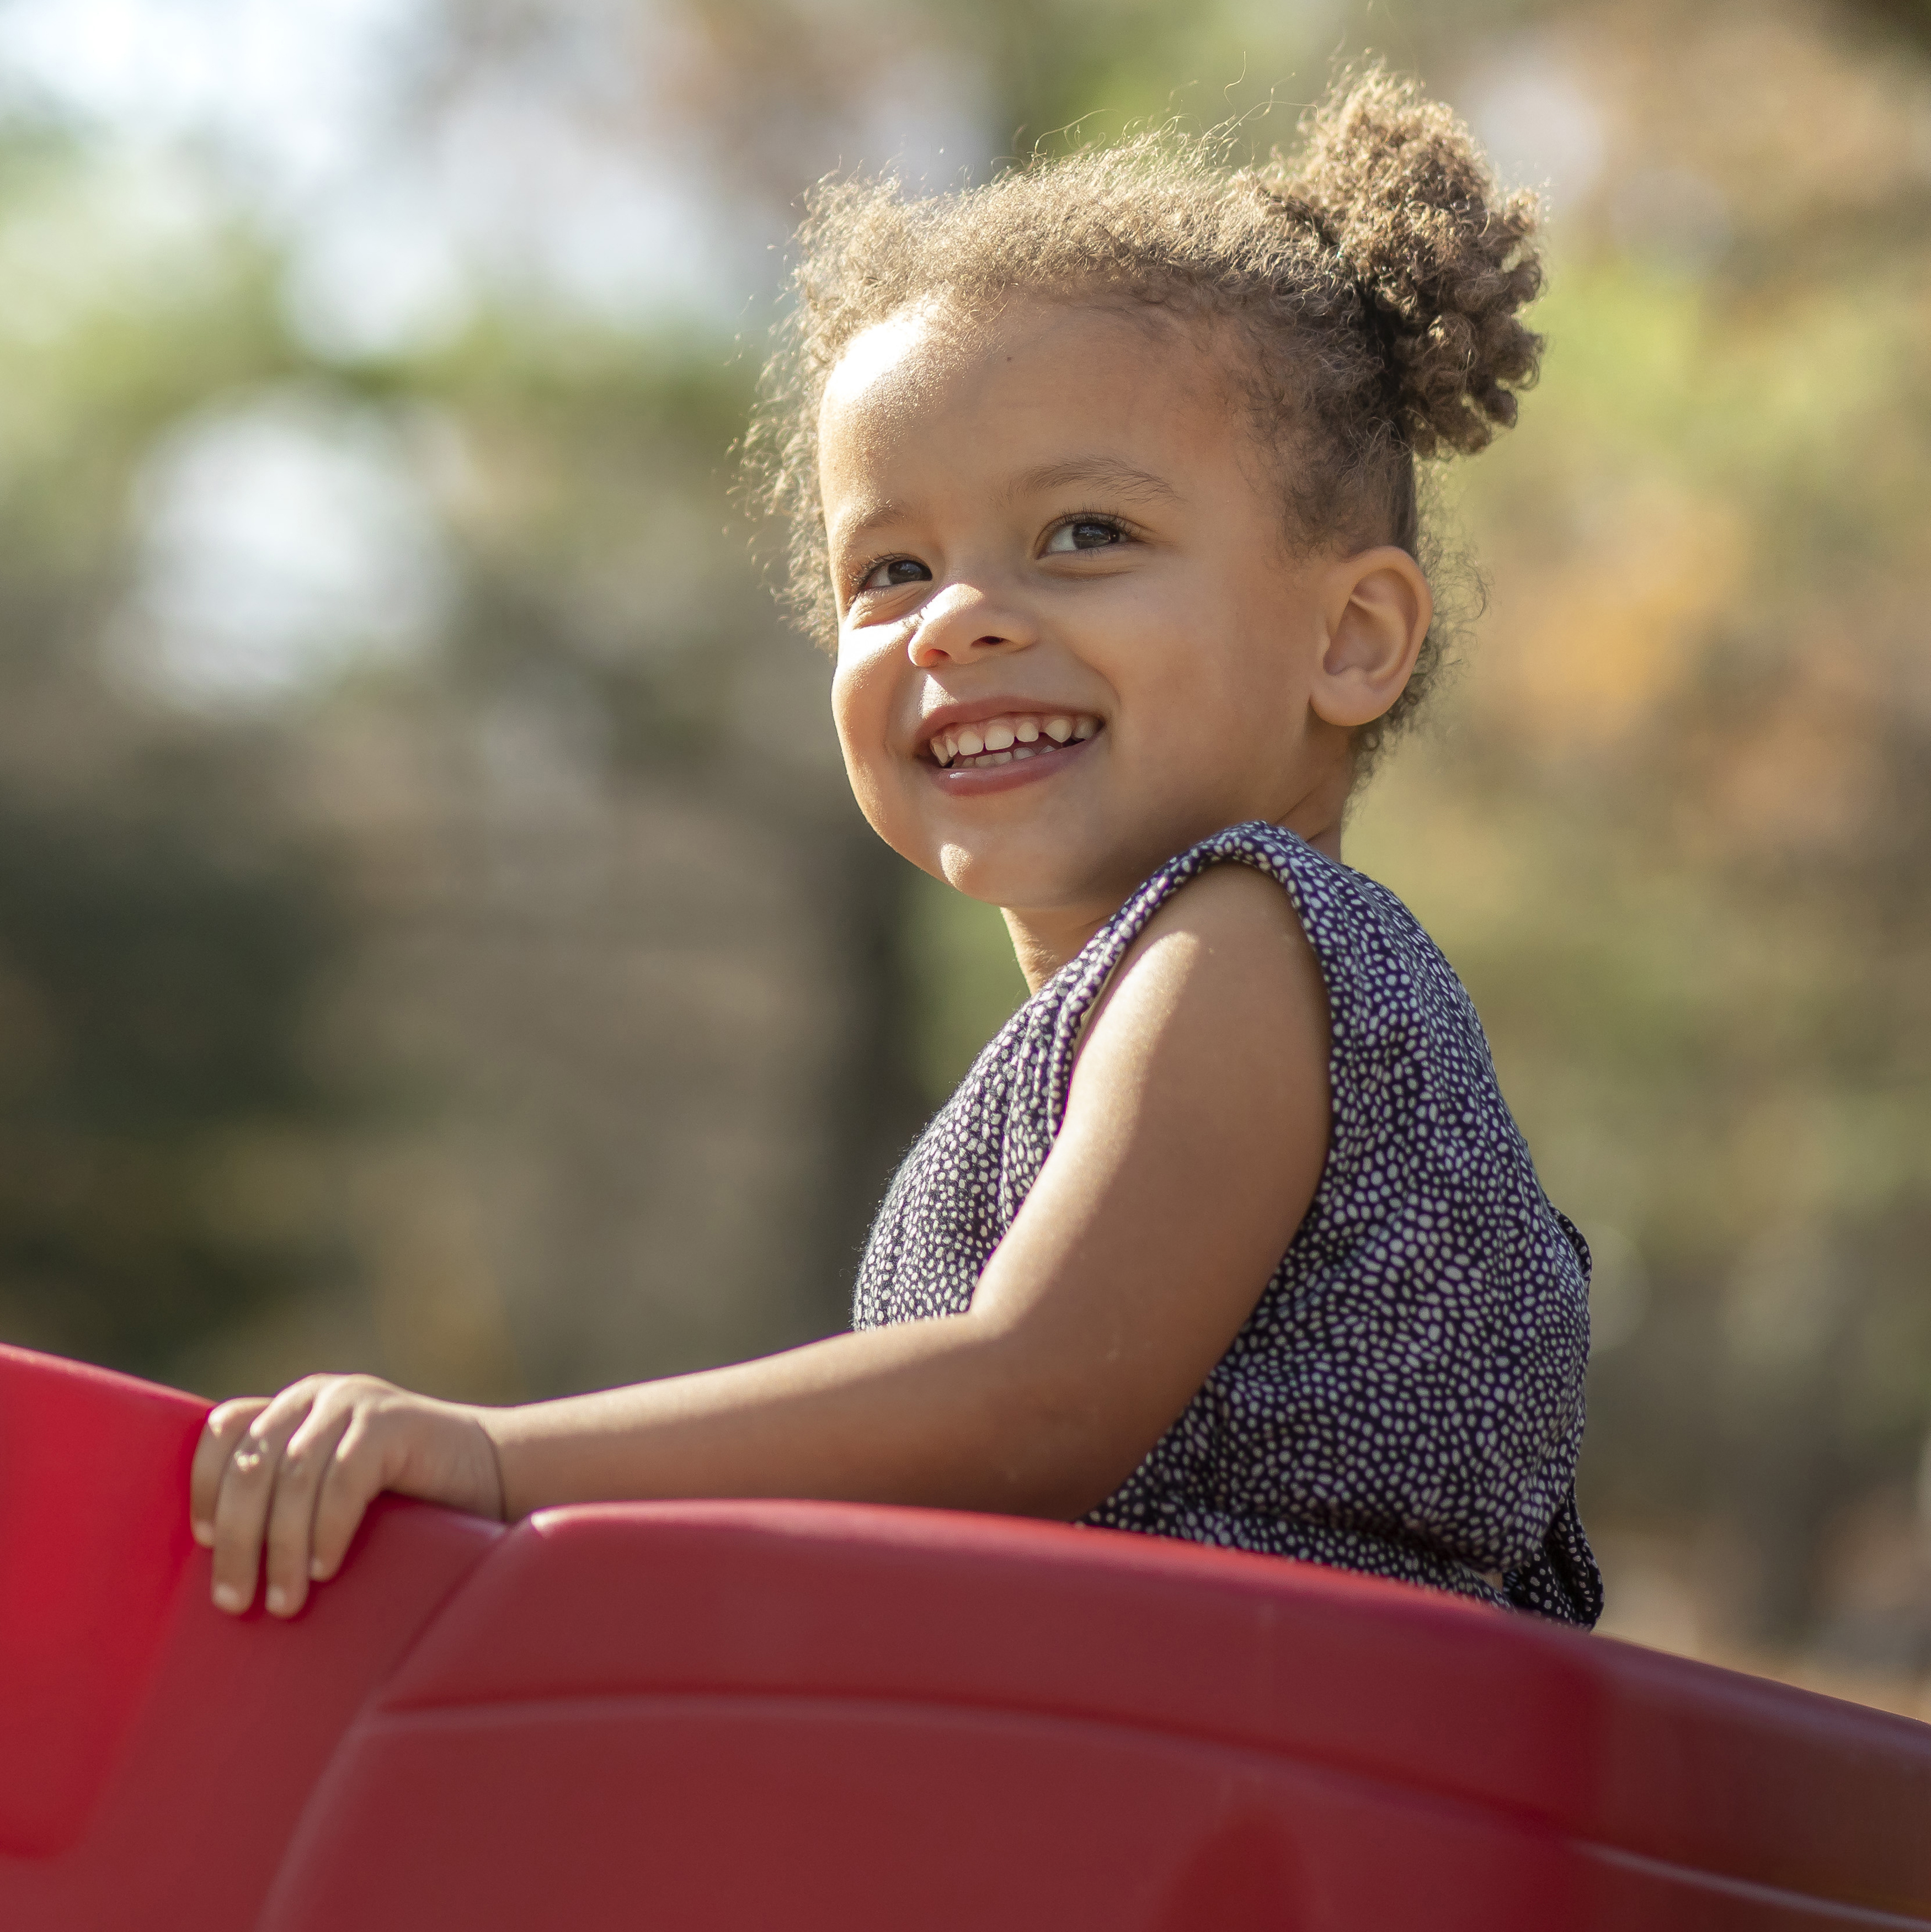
247,1487
219,1434
305,1462
355,1477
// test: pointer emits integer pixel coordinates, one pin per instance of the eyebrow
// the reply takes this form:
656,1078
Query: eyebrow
1110,473
872,517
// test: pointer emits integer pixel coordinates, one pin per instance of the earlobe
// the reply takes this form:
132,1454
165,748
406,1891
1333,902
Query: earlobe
1378,609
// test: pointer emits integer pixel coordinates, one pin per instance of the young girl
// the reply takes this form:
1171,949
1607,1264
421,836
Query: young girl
1102,481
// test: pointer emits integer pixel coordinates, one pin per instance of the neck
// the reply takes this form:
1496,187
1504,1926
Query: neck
1043,940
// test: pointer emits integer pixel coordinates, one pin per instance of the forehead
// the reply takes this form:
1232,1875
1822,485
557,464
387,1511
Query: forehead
934,385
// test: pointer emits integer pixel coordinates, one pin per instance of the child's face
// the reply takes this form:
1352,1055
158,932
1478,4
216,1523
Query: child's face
1072,638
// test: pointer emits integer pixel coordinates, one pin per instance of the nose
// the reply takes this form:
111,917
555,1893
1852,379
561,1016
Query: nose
964,622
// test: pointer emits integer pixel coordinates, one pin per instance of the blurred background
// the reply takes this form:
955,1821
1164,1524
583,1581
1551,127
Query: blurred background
434,935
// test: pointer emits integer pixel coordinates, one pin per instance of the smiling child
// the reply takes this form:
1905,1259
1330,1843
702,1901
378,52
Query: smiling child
1102,480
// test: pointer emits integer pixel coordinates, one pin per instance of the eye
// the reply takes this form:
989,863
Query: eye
893,572
1078,533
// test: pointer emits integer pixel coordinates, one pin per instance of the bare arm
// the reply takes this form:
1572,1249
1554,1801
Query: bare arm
1195,1136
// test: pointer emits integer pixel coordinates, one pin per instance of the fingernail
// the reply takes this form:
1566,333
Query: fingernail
277,1599
317,1569
204,1534
227,1598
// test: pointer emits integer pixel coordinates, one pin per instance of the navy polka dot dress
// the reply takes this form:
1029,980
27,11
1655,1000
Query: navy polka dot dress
1407,1397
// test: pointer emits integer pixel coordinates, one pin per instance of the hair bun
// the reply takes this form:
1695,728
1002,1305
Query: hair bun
1397,187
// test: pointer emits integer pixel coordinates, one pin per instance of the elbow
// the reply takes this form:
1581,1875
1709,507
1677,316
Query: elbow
1070,1433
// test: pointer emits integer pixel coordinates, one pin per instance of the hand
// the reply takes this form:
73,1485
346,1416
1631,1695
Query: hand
296,1473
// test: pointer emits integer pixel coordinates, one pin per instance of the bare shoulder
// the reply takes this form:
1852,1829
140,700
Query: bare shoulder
1226,955
1204,1082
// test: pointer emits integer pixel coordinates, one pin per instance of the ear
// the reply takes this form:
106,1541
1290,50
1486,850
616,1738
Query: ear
1377,607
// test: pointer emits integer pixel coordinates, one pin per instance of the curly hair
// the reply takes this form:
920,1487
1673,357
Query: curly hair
1372,283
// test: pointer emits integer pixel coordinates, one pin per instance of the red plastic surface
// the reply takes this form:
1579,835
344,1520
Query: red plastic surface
853,1679
184,1743
804,1715
93,1467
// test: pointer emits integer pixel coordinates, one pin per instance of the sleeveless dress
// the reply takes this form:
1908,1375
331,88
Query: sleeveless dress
1406,1398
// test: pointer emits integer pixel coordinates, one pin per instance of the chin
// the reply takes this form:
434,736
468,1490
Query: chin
1038,875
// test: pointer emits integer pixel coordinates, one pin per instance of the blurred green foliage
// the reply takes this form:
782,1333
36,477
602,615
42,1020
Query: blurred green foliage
152,990
160,934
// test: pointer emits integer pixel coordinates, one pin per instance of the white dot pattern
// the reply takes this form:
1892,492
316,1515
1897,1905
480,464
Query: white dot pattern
1407,1397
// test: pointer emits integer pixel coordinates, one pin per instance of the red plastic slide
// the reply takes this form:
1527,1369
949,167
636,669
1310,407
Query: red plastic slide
793,1715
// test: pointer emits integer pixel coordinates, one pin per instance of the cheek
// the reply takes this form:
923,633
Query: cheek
1235,687
850,710
861,691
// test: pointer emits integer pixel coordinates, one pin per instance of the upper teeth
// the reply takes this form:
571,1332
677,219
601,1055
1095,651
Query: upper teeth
1000,741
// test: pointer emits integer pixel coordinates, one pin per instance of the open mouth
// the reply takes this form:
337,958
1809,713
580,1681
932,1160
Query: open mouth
1011,739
